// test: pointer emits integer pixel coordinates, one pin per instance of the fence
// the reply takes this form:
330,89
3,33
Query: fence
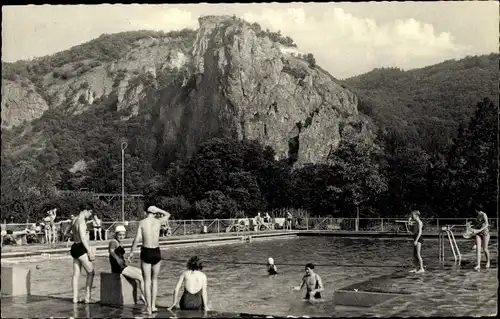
219,226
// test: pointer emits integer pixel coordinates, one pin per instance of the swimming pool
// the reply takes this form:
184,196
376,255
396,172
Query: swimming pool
238,281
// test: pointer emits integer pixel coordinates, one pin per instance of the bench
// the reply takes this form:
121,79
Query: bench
118,290
16,281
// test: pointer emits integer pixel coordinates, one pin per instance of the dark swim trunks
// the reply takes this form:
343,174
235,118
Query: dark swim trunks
77,250
316,295
117,267
151,255
191,301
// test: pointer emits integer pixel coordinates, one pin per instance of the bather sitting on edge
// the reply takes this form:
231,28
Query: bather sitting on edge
195,288
117,260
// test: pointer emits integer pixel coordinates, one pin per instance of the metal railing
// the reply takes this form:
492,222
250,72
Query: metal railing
218,226
448,230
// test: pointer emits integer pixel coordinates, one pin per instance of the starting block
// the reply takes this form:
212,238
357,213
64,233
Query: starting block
116,289
16,281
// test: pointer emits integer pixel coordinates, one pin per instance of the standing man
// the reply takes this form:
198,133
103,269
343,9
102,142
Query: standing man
82,253
417,229
149,231
482,233
289,218
96,226
53,228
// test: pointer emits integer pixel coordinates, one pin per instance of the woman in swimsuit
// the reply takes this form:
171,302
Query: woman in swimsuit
417,229
117,260
195,288
482,233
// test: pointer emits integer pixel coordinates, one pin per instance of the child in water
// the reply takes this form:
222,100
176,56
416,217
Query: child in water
272,270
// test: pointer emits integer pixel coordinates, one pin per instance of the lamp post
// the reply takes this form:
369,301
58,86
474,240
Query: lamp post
123,147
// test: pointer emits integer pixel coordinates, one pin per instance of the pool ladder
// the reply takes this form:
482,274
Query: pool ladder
453,244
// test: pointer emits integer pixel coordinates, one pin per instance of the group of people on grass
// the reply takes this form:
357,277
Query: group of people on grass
194,296
479,229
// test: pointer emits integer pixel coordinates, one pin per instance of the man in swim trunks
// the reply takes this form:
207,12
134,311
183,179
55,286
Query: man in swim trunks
149,230
313,283
482,233
195,288
117,260
96,227
82,254
417,229
289,218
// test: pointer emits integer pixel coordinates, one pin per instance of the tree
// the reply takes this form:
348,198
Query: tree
356,163
216,205
311,60
473,170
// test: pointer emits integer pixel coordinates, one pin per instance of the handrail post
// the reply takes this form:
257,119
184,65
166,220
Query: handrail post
382,224
451,244
456,247
437,221
184,232
218,226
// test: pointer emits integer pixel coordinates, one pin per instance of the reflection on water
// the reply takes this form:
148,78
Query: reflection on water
237,272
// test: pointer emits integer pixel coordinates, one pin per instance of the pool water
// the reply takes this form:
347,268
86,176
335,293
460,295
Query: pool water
238,280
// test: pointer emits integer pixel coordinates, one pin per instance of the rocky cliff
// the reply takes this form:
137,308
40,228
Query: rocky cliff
20,102
226,79
246,86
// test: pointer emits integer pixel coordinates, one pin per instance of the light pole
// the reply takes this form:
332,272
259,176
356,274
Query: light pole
123,147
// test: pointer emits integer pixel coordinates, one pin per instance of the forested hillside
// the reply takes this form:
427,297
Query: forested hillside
425,118
436,133
426,106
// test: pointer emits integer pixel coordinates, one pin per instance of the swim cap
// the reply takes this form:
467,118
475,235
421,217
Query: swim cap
120,228
270,261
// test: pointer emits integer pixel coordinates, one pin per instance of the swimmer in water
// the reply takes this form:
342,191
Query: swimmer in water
482,233
117,260
417,241
81,252
272,270
195,288
149,231
313,283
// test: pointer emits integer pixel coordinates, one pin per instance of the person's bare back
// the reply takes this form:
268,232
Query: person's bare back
194,281
150,232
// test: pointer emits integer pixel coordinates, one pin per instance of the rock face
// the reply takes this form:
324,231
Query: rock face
20,102
245,86
223,80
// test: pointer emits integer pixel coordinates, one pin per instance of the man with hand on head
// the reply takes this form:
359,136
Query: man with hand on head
149,231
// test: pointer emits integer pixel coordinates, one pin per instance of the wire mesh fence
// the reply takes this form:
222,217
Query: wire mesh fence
224,226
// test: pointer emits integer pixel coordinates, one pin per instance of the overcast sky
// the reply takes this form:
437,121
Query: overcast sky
346,38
